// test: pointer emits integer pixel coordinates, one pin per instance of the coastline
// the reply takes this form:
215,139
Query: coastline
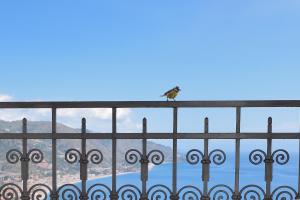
70,179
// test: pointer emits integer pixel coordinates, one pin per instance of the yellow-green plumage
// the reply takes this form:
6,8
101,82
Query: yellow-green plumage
172,94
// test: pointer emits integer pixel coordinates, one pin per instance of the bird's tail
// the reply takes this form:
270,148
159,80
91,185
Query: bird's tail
162,95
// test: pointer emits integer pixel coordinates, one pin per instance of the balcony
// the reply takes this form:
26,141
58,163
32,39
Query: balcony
202,158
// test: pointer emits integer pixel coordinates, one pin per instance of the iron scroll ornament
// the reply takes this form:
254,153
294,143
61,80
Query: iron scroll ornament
220,191
69,192
284,193
73,155
132,156
98,191
190,192
14,155
252,192
39,192
129,192
10,191
194,156
280,156
159,192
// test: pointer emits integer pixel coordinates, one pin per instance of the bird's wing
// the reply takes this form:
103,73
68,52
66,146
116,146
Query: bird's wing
166,93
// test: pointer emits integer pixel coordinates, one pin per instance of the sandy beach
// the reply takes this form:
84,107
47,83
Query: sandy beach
69,179
74,178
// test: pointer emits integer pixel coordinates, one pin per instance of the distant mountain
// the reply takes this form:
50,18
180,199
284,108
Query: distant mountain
65,168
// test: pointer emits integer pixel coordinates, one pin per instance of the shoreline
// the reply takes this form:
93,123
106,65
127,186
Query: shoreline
93,178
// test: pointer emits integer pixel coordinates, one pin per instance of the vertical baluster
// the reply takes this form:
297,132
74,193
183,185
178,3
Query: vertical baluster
236,194
54,194
83,161
174,195
269,161
298,194
24,161
144,163
114,194
205,163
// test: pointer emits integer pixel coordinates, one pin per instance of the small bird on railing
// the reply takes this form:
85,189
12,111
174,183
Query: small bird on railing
171,94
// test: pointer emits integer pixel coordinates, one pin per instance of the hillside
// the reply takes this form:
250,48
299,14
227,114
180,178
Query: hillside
8,171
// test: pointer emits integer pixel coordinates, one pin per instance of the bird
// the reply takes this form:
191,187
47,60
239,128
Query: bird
171,94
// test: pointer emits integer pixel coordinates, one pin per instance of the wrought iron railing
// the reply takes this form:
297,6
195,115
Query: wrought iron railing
130,191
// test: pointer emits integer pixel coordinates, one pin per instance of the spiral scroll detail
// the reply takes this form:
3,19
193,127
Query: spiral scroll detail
221,191
252,192
36,155
281,156
156,157
284,193
72,155
194,156
95,156
10,191
257,156
159,192
132,156
69,192
190,192
217,156
39,192
13,156
98,192
129,192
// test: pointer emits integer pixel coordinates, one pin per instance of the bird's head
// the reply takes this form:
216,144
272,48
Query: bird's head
177,88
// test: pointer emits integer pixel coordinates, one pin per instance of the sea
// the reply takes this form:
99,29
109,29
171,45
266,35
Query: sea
159,181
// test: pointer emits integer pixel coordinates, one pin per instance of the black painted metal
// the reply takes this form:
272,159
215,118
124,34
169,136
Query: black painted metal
174,195
54,194
236,195
114,194
144,163
203,157
150,104
24,162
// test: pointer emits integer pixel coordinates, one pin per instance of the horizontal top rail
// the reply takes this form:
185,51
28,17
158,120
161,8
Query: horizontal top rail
150,136
150,104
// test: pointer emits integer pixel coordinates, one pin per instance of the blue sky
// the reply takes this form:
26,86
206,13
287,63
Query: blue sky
135,50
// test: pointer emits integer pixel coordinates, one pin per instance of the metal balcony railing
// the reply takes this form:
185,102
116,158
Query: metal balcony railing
12,191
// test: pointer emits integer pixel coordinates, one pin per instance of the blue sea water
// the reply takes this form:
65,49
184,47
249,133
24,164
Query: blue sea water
224,174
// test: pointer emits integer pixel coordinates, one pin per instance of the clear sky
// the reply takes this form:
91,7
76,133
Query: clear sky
137,49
